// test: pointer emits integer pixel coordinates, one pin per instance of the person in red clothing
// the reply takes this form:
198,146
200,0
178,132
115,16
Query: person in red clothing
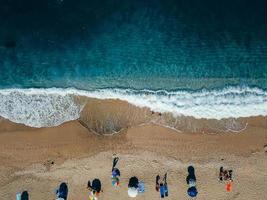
229,186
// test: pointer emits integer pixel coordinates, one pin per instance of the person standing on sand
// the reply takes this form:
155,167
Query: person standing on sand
157,183
115,173
162,186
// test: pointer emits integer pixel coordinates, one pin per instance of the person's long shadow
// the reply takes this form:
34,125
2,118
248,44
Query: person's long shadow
191,174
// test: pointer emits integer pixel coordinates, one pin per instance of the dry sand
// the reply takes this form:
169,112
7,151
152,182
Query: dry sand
144,150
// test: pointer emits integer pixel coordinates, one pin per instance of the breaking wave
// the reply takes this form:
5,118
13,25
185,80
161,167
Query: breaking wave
54,106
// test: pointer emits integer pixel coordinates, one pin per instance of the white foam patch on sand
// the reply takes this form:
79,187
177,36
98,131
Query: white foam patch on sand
53,106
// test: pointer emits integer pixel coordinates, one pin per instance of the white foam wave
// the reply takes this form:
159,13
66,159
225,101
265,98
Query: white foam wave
38,107
53,106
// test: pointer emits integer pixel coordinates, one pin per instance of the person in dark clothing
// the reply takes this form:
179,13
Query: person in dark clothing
230,173
157,183
115,161
162,186
221,174
191,175
115,173
166,192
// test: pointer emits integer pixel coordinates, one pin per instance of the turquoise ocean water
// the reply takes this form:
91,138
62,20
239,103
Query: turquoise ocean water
203,59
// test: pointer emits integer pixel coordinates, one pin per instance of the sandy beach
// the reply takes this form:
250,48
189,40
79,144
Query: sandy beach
145,149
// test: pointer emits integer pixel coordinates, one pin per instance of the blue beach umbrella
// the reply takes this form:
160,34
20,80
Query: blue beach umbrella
192,191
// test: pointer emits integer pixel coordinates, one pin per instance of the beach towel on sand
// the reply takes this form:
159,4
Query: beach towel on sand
132,192
228,186
141,187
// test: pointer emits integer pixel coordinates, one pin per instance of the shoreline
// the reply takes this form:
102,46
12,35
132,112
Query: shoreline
111,116
54,106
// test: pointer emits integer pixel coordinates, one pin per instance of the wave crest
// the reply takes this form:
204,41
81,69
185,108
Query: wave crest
38,107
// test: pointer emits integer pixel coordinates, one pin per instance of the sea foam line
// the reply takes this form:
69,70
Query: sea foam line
54,106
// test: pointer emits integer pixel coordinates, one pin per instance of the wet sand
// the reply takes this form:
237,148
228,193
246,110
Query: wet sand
145,149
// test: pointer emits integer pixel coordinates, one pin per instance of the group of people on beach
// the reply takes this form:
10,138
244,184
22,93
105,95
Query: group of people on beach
135,186
226,175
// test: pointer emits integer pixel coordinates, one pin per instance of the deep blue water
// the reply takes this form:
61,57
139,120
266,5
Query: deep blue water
133,44
204,59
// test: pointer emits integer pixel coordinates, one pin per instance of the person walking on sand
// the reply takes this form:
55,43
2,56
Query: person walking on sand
162,186
157,183
115,173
